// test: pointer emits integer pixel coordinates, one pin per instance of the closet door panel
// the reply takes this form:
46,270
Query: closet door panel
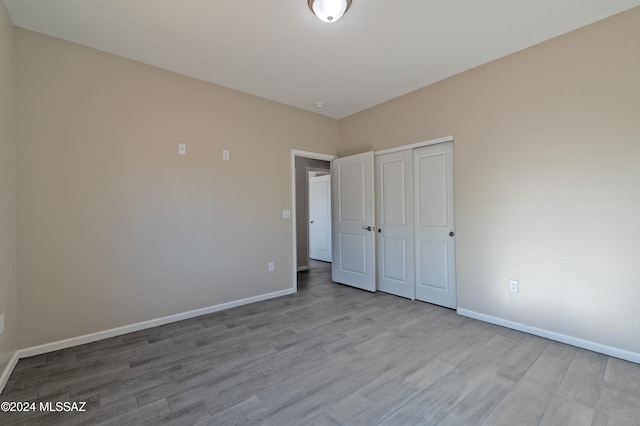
395,217
434,225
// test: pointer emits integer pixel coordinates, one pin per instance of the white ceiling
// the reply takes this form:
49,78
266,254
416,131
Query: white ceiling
277,49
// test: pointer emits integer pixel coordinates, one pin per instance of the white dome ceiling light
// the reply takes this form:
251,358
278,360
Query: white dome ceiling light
329,10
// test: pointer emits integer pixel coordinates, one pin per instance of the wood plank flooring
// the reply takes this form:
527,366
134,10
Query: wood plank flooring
329,355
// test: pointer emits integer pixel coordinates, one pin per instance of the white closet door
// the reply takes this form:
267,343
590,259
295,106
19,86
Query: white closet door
434,225
354,221
395,213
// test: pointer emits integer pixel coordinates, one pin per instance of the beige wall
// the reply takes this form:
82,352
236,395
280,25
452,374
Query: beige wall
114,226
547,178
8,302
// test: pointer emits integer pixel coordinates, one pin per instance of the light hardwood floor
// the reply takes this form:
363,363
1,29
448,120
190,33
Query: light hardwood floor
328,355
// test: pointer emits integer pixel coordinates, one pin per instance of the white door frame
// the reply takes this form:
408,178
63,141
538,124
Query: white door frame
305,154
415,145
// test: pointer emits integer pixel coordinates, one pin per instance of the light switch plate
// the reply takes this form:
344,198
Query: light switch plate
286,214
182,148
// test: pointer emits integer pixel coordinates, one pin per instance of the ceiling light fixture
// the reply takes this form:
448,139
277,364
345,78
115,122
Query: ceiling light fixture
329,10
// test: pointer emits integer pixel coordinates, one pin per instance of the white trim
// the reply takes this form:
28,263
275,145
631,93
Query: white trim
414,145
314,155
306,154
303,268
559,337
4,378
93,337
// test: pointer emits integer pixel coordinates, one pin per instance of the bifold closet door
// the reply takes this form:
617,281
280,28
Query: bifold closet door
394,215
434,225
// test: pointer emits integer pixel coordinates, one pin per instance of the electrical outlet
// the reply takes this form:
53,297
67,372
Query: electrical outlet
513,286
272,267
1,323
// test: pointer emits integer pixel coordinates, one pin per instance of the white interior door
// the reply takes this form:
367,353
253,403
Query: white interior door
394,213
320,218
434,226
353,226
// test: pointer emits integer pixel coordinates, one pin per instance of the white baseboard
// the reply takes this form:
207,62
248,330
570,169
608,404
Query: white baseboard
303,268
552,335
8,370
93,337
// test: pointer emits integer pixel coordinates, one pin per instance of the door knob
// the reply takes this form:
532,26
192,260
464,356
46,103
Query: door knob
451,234
368,228
311,221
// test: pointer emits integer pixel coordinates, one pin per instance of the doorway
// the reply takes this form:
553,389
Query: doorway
303,162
